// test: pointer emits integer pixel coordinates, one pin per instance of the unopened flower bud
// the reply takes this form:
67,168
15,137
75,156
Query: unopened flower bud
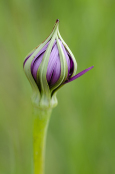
49,66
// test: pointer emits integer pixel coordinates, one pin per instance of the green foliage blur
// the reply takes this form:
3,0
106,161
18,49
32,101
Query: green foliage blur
81,134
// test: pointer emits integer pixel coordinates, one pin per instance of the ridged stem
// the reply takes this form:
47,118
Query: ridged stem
39,139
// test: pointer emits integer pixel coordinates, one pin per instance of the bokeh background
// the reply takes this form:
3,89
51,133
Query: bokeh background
81,134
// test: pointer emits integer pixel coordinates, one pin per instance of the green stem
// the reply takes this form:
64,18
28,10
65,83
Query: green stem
39,134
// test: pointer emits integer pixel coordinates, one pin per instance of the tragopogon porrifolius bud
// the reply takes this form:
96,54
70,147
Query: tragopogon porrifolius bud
49,66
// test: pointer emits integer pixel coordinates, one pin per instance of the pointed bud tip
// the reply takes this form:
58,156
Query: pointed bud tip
57,20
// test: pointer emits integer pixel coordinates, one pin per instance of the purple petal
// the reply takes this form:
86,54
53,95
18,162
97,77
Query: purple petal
56,72
52,62
35,65
79,74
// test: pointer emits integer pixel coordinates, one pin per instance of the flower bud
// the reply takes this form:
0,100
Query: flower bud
49,66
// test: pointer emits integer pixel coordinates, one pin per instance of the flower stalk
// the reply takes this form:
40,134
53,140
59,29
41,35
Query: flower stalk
39,139
48,67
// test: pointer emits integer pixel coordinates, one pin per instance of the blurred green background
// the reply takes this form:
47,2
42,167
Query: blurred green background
81,134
